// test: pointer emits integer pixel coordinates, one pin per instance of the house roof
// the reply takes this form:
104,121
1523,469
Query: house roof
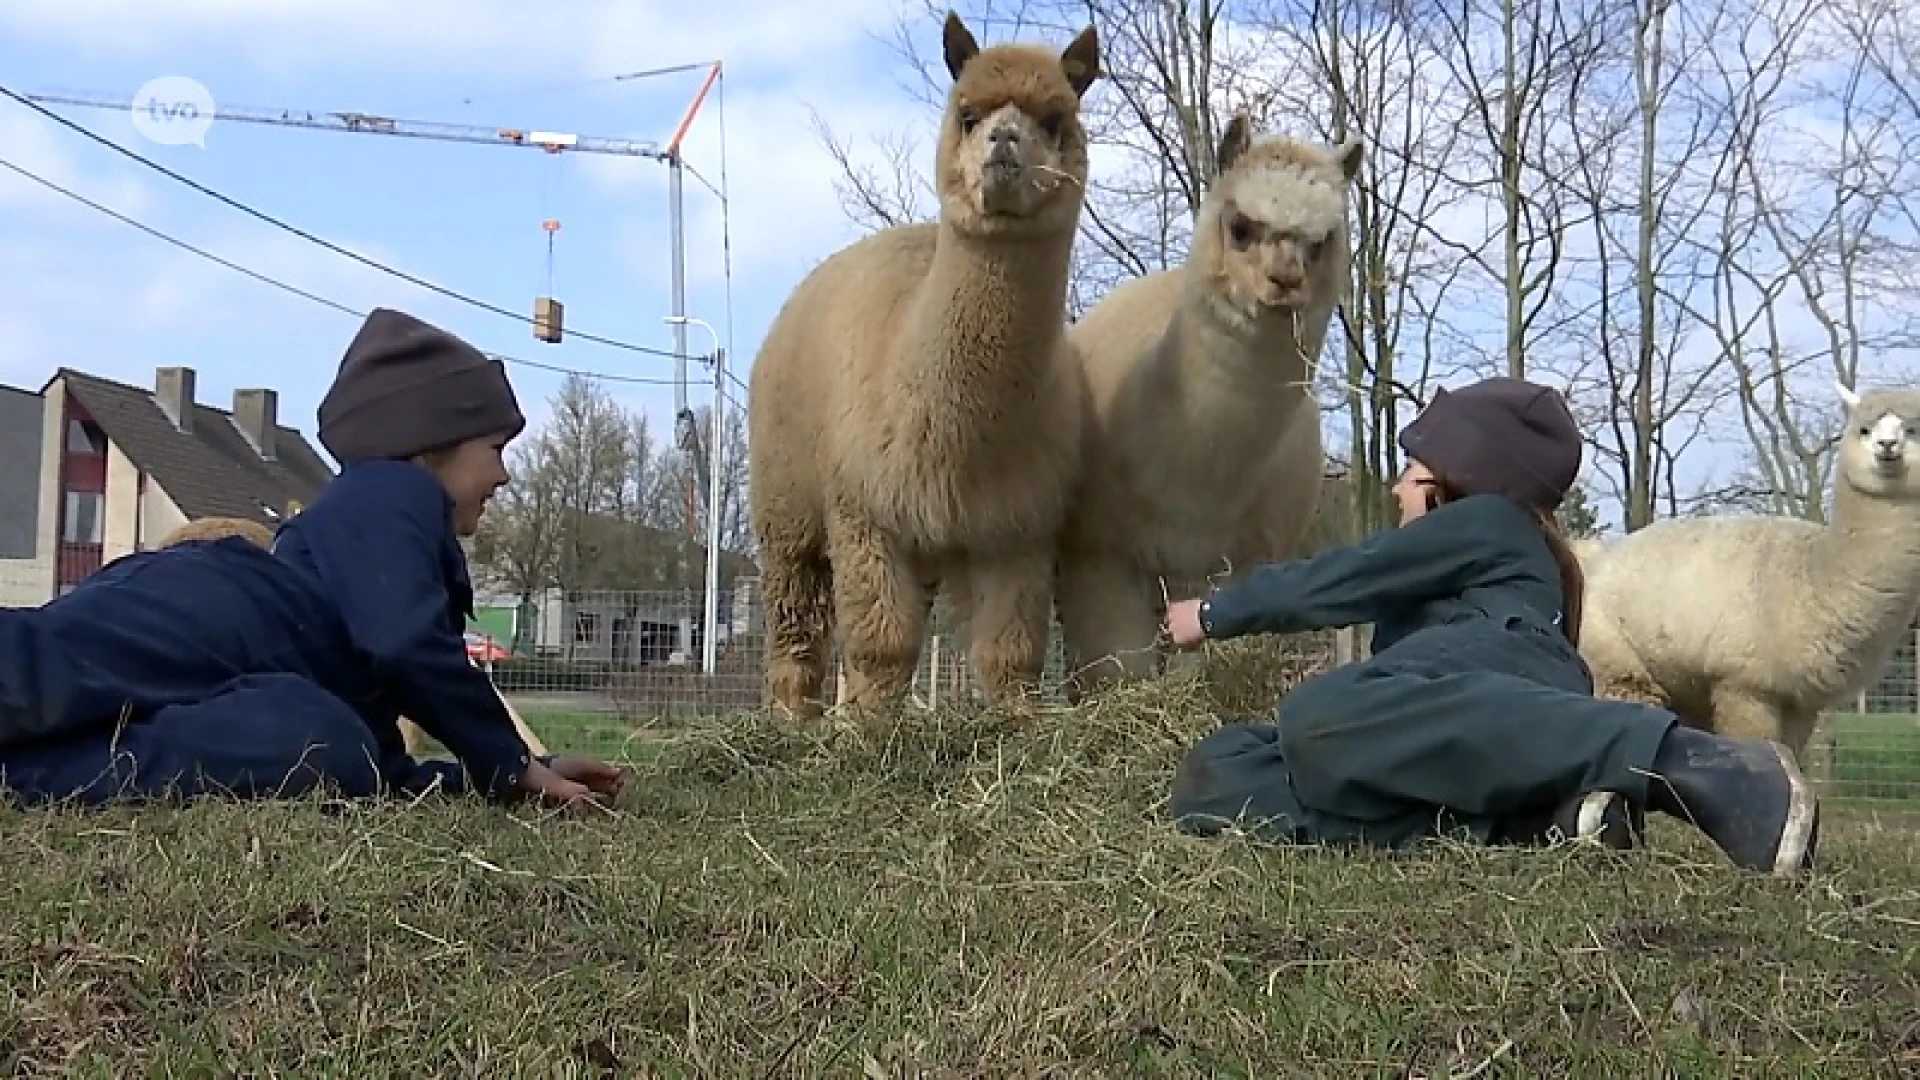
210,471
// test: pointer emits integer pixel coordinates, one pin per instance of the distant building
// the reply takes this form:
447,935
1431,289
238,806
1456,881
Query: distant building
92,469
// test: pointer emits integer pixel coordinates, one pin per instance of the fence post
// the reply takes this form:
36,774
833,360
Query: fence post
933,673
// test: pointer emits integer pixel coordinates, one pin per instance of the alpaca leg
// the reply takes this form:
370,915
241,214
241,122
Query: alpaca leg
1110,624
883,604
1796,729
1745,715
1009,617
797,583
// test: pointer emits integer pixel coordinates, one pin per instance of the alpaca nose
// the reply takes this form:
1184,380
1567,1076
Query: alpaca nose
1287,277
1887,447
1003,144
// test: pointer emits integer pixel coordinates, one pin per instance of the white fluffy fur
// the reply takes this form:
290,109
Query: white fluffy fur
1752,625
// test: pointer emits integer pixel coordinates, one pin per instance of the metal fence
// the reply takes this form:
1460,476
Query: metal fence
587,668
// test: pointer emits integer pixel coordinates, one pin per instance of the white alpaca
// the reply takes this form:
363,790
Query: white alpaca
1203,444
1751,626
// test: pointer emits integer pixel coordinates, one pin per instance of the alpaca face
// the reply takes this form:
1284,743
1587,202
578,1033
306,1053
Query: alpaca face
1274,231
1013,153
1880,445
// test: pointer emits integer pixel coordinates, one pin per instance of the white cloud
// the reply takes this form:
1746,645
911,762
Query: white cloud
572,39
29,141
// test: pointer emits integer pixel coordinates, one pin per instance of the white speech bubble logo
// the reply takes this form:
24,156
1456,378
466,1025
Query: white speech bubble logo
173,110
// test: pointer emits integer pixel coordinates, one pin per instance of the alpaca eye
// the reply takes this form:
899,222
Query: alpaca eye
1241,230
968,120
1316,249
1051,124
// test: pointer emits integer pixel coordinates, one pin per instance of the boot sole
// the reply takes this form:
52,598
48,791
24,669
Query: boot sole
1800,832
1592,820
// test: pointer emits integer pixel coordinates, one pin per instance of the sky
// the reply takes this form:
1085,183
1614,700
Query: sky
90,292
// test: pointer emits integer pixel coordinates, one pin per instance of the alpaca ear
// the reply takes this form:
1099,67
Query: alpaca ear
1847,396
1080,61
959,44
1349,155
1235,142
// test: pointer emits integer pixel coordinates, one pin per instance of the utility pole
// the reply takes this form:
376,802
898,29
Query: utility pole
676,169
716,451
716,454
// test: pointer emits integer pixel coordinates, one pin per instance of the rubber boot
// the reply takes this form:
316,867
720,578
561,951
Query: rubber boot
1746,795
1604,816
1601,816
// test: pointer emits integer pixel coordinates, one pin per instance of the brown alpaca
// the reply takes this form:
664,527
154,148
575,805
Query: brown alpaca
213,528
1203,445
913,416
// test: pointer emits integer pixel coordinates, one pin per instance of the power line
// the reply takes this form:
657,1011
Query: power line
303,293
304,235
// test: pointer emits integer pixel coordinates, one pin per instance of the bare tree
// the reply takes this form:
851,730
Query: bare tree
1811,273
517,548
1364,73
1515,63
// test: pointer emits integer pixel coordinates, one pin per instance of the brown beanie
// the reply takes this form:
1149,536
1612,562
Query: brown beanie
406,387
1499,436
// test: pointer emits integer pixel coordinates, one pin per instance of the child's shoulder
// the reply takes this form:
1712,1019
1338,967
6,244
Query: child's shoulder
390,488
1495,510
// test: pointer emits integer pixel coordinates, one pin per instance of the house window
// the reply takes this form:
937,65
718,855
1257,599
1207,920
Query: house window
586,627
84,511
84,438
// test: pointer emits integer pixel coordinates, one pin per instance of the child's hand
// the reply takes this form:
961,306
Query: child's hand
573,780
1183,623
599,776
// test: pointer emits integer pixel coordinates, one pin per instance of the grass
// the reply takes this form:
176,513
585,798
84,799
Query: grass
1872,758
964,896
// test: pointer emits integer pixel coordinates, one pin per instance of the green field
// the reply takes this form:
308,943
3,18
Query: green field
1869,758
960,896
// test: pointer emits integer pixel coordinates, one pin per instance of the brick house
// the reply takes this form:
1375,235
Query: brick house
92,469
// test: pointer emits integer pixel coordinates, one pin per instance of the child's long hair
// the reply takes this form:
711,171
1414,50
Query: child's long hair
1573,581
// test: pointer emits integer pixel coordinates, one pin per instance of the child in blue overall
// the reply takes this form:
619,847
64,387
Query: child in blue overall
1474,712
216,667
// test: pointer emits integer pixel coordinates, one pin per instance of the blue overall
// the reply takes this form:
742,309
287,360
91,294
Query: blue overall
1473,712
216,667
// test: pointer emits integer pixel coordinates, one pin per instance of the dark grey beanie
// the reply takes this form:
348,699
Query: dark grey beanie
406,387
1499,436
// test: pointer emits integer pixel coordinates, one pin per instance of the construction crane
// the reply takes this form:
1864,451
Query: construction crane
689,441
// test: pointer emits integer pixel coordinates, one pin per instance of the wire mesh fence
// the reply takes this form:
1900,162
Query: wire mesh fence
588,668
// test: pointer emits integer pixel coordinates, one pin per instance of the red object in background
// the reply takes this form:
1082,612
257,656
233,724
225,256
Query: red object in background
482,649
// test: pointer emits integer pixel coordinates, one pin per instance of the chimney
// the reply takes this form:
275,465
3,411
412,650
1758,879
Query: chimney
257,414
173,386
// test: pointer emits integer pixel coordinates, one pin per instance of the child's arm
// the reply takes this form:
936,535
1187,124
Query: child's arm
382,563
1441,553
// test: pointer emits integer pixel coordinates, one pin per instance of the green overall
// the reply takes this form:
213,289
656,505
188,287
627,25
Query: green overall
1473,713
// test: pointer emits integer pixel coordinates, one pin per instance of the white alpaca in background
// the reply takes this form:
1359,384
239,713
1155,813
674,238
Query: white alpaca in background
1751,626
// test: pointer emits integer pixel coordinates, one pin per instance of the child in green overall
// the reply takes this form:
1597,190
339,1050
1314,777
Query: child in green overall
1474,712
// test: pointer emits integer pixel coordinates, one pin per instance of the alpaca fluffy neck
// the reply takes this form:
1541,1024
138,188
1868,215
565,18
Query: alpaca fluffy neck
1865,566
986,322
1230,376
